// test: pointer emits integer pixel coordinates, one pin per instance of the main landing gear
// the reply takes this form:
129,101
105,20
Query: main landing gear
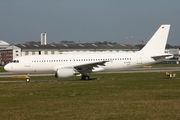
85,77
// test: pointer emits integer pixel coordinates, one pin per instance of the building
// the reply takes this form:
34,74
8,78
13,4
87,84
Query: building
3,44
17,50
5,56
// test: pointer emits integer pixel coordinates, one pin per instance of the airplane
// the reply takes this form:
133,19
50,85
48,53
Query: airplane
68,65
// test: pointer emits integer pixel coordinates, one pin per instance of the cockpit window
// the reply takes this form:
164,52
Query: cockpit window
15,61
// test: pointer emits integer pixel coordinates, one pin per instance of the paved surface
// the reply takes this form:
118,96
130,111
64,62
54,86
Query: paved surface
164,69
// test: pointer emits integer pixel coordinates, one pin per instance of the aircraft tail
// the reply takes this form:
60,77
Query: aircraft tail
158,41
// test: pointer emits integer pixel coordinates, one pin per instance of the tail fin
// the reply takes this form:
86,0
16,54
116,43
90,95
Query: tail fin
158,41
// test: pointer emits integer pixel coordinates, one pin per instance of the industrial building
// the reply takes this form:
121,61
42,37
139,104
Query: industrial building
17,50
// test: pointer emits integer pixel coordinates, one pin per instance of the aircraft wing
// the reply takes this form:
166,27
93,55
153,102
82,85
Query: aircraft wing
84,68
162,56
90,67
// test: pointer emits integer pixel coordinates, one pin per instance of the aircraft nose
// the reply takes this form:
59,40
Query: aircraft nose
7,67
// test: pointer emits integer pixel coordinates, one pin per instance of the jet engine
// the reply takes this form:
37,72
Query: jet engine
64,72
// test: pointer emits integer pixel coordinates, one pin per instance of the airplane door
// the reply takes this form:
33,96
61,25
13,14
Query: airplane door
139,58
27,61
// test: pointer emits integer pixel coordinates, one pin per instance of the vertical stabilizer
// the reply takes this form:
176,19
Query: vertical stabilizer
158,41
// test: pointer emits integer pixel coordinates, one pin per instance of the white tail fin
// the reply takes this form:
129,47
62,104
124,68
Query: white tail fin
158,41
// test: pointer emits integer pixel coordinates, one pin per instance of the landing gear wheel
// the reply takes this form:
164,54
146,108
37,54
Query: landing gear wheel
85,77
82,77
28,80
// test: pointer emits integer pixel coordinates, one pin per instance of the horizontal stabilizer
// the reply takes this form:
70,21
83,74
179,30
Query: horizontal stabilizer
162,56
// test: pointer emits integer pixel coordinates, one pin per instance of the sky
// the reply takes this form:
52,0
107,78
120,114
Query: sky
88,20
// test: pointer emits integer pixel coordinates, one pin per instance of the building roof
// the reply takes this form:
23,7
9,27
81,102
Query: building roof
78,46
2,43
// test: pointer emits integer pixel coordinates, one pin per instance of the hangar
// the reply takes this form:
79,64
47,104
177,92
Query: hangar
16,50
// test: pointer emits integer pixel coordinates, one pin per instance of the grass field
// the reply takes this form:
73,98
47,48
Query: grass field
129,96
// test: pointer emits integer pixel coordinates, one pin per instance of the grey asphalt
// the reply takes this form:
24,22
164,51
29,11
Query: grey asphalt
140,70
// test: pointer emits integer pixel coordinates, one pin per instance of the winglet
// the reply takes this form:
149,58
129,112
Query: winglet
158,41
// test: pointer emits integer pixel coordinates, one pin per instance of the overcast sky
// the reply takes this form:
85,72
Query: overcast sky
88,20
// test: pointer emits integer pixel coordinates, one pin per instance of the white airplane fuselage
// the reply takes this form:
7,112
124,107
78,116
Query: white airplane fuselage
49,63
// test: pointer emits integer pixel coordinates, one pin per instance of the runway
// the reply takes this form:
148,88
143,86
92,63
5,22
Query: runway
163,69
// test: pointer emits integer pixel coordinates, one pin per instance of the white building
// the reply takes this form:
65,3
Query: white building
3,44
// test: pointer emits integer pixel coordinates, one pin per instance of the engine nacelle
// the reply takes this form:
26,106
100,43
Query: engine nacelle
64,72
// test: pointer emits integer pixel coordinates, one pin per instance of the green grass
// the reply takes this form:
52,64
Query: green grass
129,96
2,69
